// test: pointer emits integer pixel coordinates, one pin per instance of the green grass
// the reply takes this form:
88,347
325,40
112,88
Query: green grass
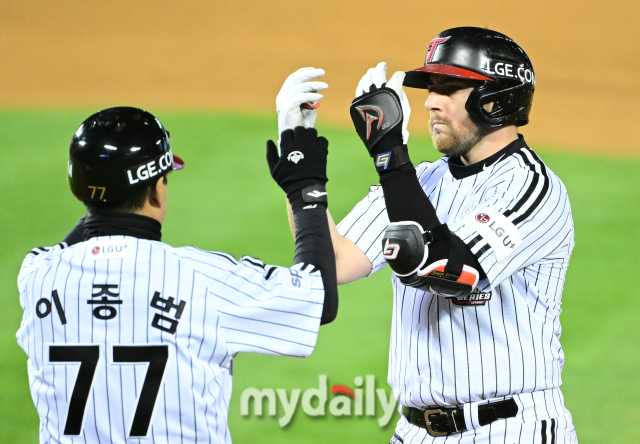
225,200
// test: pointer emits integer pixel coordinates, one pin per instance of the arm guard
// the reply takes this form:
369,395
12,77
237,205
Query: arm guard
443,269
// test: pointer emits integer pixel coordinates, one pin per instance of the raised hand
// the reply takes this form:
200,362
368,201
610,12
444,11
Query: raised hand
380,114
300,165
298,98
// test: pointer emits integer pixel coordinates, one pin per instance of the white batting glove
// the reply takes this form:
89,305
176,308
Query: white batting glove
297,91
378,76
395,83
375,76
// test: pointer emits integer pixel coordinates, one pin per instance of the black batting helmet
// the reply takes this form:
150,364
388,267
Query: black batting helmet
117,153
493,58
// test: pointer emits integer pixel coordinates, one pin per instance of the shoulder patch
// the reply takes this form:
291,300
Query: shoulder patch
501,234
107,249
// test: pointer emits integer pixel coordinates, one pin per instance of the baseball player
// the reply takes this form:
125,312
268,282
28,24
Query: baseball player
132,340
478,241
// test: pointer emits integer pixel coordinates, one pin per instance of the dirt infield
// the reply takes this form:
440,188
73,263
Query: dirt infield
196,54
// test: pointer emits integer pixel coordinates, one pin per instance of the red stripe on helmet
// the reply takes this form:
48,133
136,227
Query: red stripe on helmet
452,71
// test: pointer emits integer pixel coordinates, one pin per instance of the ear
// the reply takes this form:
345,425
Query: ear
155,192
489,107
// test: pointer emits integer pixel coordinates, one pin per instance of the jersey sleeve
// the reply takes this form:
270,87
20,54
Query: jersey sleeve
32,257
517,222
365,225
263,308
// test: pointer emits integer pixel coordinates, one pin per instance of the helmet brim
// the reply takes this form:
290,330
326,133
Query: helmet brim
419,77
178,163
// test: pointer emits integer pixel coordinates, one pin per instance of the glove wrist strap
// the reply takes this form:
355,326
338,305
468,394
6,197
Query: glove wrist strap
311,196
392,159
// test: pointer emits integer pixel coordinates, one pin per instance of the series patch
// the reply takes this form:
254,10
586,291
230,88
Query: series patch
476,297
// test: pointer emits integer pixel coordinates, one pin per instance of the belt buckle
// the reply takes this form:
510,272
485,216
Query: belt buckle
430,431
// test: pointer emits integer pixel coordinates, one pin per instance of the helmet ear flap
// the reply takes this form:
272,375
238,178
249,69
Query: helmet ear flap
512,104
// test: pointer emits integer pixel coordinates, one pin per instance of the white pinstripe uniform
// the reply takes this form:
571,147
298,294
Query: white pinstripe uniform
131,340
503,340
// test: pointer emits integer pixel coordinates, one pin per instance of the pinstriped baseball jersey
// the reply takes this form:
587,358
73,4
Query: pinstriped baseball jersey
131,340
503,339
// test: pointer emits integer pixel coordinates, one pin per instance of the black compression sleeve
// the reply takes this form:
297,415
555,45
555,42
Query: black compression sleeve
314,247
406,201
405,198
77,234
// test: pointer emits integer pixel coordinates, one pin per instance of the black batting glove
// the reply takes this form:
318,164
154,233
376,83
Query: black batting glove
377,116
301,167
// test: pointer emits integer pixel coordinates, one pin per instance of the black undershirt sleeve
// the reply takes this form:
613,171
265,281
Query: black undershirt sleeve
406,201
314,247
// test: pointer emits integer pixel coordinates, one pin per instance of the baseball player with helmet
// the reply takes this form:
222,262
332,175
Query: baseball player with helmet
478,242
132,340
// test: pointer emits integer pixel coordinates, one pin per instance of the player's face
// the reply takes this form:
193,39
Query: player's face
453,131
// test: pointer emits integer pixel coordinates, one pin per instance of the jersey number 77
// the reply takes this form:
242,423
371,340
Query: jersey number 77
88,356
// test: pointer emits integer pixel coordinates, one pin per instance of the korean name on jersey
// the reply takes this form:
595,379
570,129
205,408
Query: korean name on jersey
131,338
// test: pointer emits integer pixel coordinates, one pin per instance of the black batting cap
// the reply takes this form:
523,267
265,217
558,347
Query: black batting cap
117,153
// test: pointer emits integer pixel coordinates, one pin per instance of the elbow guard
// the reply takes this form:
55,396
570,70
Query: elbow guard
436,261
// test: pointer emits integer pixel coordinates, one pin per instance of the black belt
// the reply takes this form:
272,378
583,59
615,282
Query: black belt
443,421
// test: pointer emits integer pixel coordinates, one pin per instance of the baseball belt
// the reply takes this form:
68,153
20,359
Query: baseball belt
444,421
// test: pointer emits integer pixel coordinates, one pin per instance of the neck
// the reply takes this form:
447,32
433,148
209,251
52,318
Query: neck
151,211
122,224
490,144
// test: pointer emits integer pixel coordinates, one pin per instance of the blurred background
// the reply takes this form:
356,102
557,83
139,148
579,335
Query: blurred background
210,71
207,55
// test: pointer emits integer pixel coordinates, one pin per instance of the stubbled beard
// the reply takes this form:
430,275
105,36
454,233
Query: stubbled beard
458,143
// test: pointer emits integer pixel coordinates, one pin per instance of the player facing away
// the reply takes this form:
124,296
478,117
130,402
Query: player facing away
478,241
132,340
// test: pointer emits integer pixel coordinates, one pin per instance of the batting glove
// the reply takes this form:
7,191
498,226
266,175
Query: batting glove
301,166
298,98
378,114
377,78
